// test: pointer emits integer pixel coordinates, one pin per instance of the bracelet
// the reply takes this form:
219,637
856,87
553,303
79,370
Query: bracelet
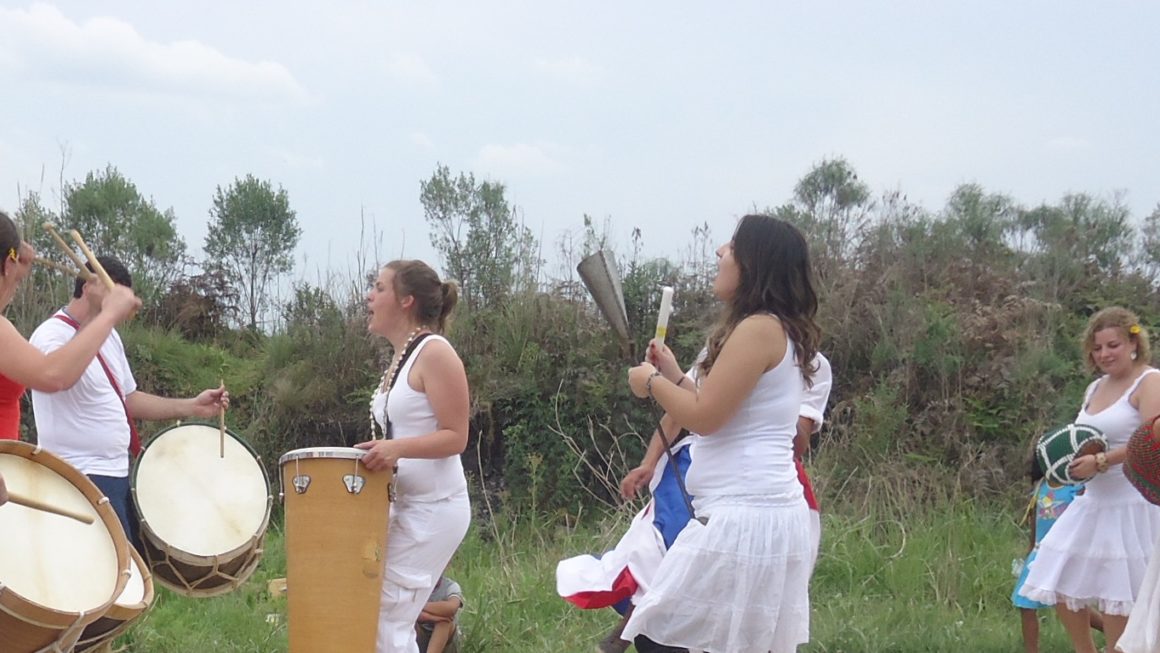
648,384
1101,462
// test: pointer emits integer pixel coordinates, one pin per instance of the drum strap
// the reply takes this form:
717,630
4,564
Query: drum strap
134,437
387,432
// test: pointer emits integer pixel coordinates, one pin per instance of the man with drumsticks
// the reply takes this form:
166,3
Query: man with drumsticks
90,424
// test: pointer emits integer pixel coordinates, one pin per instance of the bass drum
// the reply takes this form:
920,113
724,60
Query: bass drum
57,574
203,514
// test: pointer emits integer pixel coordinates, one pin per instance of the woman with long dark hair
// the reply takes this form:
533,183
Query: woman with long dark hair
737,578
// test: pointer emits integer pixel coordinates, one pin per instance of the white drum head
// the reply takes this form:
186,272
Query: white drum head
134,592
56,562
196,501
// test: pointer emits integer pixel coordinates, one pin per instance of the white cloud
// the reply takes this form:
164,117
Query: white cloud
44,45
411,68
519,159
573,70
422,140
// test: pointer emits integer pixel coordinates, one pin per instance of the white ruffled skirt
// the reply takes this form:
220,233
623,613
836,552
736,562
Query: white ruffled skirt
1097,553
738,584
1143,632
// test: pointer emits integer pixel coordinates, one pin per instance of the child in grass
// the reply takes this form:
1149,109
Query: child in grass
1049,503
438,623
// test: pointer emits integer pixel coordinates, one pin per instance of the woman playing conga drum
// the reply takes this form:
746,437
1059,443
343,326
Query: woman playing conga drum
24,365
738,580
1097,553
422,407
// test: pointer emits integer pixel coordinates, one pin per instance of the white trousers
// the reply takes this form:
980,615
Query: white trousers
421,540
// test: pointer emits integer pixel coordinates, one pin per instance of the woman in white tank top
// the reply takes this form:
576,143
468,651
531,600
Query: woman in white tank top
422,407
736,580
1096,554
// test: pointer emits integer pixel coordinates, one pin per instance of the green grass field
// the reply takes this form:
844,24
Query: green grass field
935,583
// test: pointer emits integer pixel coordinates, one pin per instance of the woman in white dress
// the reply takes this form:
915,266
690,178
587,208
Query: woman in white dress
1097,553
737,578
422,407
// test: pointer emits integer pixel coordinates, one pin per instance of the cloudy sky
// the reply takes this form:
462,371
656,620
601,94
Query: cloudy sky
658,115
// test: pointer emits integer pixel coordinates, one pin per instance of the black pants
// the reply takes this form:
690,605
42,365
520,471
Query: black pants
646,645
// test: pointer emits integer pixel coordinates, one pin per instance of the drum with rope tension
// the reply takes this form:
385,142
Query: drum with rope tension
203,514
57,574
1057,448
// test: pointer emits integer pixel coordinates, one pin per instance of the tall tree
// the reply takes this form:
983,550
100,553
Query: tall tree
116,220
252,235
833,205
476,232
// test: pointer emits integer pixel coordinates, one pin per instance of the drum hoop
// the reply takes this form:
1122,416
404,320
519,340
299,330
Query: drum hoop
44,616
343,453
147,595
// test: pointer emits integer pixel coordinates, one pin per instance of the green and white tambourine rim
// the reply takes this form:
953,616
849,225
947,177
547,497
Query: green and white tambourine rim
1056,449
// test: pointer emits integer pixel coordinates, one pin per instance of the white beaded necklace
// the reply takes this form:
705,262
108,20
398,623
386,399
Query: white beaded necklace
388,381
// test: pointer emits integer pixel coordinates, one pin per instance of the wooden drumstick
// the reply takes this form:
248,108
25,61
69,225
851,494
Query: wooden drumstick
29,502
68,251
97,267
222,427
64,269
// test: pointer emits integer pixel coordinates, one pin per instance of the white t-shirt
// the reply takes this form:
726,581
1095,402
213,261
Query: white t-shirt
85,424
814,398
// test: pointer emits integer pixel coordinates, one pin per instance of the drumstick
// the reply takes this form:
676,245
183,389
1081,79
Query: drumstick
29,502
60,268
68,251
222,427
97,267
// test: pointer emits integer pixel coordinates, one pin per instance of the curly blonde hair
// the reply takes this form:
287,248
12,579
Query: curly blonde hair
1116,317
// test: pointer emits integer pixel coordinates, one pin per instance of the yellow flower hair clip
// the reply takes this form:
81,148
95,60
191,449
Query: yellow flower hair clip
12,255
1134,329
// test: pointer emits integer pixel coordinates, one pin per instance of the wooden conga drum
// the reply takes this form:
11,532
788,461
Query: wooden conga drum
336,539
57,575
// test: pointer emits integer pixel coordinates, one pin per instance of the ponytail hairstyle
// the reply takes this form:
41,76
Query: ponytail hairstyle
775,278
10,242
434,299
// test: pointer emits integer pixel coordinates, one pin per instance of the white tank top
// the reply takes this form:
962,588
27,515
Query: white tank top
753,453
1117,421
418,479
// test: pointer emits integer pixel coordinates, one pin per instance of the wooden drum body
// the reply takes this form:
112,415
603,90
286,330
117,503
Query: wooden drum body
203,515
336,537
57,575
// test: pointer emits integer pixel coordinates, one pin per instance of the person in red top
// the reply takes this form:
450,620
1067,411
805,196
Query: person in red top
24,365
